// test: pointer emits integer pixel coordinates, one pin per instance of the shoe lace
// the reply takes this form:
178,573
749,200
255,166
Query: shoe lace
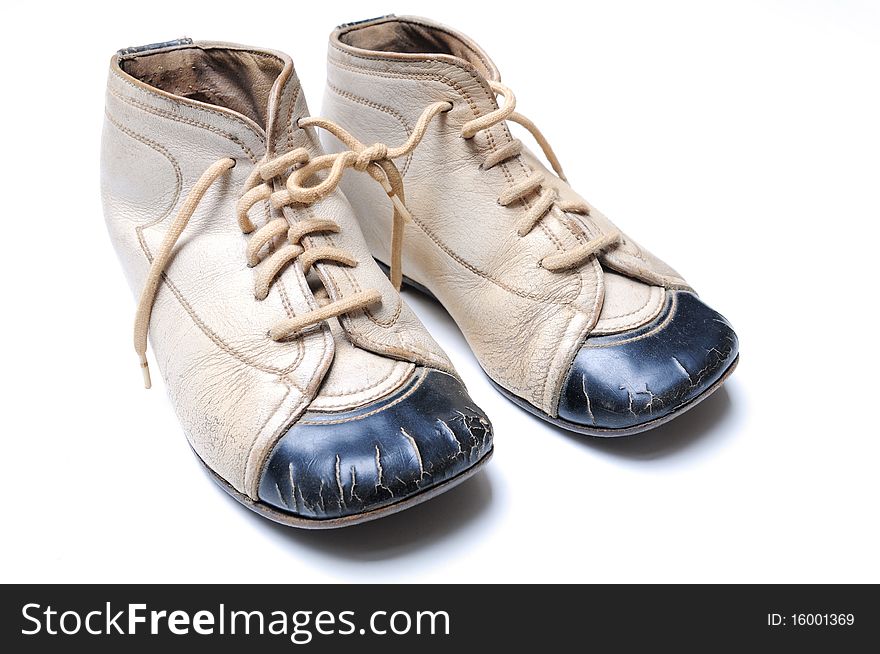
547,197
376,160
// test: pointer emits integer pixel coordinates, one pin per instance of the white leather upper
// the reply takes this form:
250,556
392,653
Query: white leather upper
524,323
235,390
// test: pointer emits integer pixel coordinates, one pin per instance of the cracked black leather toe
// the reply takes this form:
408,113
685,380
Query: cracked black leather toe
626,381
332,465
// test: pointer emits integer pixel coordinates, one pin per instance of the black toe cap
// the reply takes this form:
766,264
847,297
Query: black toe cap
332,465
626,380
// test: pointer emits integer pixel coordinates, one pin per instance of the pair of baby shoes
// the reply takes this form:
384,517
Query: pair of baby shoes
267,248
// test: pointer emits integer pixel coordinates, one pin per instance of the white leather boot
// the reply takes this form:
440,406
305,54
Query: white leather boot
570,317
303,382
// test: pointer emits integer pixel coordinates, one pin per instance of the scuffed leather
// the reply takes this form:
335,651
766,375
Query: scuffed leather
331,465
524,323
624,380
234,389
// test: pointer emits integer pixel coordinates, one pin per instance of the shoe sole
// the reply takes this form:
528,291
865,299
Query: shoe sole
270,512
597,432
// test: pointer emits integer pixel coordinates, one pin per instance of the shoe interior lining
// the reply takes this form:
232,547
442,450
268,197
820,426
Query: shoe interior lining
411,38
235,79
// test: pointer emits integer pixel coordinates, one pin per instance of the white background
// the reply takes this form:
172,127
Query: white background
739,141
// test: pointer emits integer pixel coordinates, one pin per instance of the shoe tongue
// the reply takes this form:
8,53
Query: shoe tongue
287,104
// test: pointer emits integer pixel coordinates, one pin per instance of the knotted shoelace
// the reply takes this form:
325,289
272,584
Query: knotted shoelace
376,160
547,197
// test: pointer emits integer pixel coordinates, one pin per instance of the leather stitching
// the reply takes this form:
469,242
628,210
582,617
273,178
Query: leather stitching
282,288
356,287
329,274
440,28
401,343
369,413
215,338
377,392
292,106
635,322
384,348
631,313
188,121
188,105
474,109
569,303
271,442
219,342
559,371
379,107
349,325
672,310
165,153
367,387
451,83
